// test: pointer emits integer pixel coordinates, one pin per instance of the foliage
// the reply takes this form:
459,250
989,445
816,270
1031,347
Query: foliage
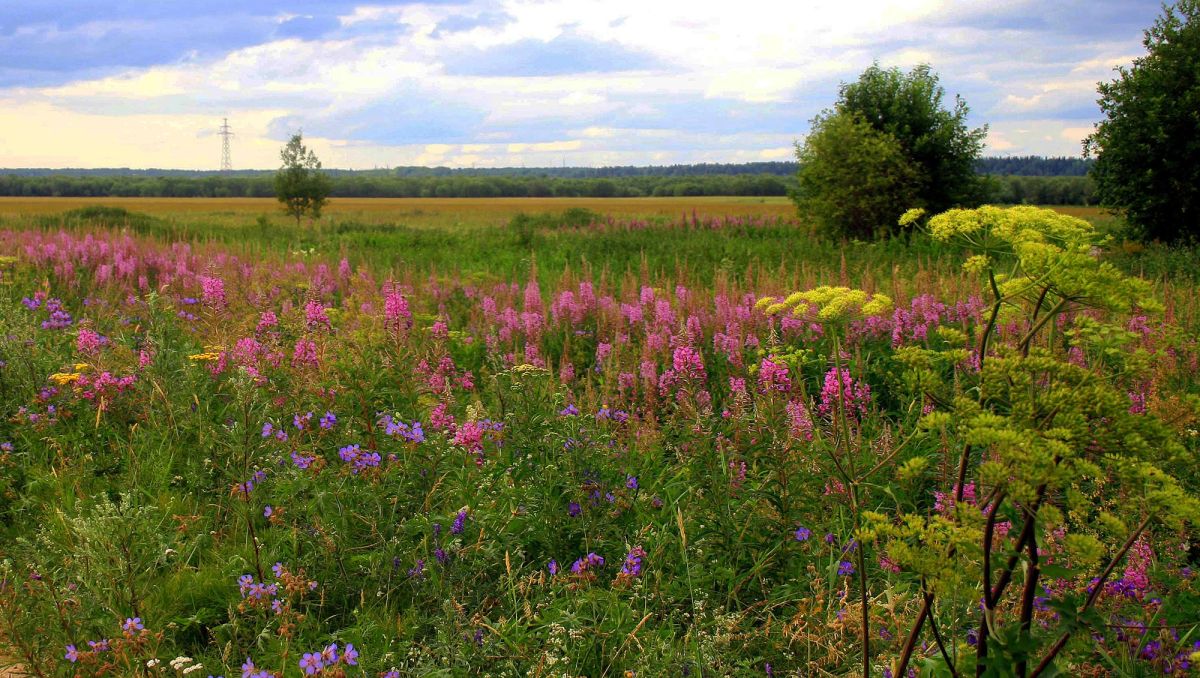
852,177
1050,449
935,140
1043,181
1033,166
299,184
1147,146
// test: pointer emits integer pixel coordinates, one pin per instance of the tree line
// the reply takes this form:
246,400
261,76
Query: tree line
1044,190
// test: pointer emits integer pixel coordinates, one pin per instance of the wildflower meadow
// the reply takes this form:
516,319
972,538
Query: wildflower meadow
616,447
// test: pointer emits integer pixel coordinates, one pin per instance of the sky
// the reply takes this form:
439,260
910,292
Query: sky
511,83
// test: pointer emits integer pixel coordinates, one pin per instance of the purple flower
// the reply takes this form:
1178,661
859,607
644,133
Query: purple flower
460,522
329,655
350,655
803,533
631,482
132,624
268,511
301,422
633,562
588,562
267,429
845,568
72,654
573,509
569,411
328,421
553,567
311,663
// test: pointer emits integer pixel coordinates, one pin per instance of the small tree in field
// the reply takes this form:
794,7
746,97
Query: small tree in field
853,180
1147,148
299,184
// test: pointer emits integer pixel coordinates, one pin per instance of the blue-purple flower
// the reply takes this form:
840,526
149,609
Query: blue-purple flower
311,663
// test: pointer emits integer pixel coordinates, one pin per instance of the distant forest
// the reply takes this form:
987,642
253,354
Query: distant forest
1011,180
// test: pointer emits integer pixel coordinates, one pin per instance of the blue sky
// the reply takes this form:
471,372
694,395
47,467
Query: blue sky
137,83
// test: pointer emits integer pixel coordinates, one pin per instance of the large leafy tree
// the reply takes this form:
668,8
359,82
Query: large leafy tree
909,106
909,123
853,180
1147,148
299,184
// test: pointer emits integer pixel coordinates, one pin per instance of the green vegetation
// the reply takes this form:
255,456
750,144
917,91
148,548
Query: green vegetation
1147,147
299,184
853,176
935,140
888,144
1014,181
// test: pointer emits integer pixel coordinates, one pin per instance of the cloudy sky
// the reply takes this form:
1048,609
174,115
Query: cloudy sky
145,83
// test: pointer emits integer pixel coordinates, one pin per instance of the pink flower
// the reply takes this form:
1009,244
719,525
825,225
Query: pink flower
266,321
688,364
212,291
855,395
316,315
89,342
395,312
440,419
800,424
773,376
305,354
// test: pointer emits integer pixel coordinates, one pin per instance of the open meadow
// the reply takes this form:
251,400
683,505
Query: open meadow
617,437
415,212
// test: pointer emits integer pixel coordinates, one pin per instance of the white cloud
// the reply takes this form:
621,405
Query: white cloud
742,64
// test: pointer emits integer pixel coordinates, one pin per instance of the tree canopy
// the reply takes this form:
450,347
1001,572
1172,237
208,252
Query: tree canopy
911,127
1147,147
854,180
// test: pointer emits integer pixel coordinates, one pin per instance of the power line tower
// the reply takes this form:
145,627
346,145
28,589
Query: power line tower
226,134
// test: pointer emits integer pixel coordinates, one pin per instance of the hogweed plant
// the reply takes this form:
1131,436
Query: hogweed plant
1059,474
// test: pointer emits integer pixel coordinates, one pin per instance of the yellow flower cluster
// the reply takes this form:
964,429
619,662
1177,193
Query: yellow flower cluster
64,378
204,357
832,303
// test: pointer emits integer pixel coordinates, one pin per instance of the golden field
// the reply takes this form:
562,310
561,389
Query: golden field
415,211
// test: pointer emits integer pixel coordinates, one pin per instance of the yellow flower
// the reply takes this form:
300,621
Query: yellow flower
911,216
81,367
204,357
64,378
